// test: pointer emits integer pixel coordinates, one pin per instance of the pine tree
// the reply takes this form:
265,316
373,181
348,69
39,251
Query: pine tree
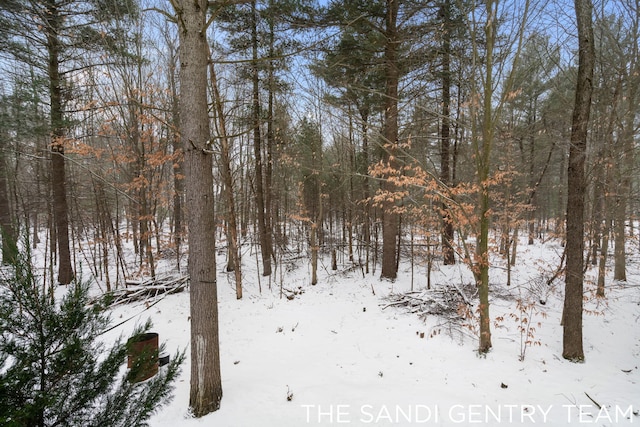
55,371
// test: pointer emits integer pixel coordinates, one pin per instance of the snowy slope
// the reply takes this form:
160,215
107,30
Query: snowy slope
336,354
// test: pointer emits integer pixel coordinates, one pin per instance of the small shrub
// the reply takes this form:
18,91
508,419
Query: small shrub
524,317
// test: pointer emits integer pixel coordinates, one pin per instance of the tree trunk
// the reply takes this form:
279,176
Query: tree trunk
178,172
206,382
619,239
597,214
531,118
483,145
572,315
366,191
146,250
235,263
482,273
268,178
483,156
58,178
602,258
626,173
389,214
263,232
351,195
445,130
7,230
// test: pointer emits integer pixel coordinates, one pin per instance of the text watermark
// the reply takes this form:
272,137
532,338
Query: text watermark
422,414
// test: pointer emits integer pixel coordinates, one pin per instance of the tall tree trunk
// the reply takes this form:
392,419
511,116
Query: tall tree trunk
483,140
235,263
145,232
483,157
572,315
626,166
7,230
602,211
178,172
206,382
597,214
532,119
314,240
366,191
392,76
268,178
619,228
602,258
351,171
265,241
445,130
58,178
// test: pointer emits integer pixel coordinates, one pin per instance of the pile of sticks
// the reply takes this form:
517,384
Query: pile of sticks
147,289
444,301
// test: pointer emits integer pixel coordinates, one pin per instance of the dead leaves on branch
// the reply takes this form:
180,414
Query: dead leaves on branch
415,191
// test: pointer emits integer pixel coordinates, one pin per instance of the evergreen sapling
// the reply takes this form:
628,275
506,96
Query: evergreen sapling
54,371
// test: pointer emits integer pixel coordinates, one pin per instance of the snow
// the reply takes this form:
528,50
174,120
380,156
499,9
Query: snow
335,355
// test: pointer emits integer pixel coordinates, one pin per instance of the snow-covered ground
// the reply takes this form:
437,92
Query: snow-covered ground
337,354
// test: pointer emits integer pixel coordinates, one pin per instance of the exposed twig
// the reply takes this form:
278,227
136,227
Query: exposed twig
594,402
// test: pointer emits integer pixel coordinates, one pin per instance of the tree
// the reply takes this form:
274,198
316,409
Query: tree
7,228
206,381
50,35
371,32
178,182
24,129
375,52
574,287
143,154
264,232
309,140
390,217
628,67
604,118
235,263
485,117
55,370
349,68
255,34
483,141
533,80
445,13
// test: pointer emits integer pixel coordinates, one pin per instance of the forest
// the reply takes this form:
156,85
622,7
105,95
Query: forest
233,141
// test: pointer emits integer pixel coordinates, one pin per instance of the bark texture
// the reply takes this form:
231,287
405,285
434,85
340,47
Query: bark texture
266,246
206,383
7,230
572,317
390,219
445,134
58,173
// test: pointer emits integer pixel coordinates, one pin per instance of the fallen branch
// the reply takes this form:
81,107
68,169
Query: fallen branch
148,289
